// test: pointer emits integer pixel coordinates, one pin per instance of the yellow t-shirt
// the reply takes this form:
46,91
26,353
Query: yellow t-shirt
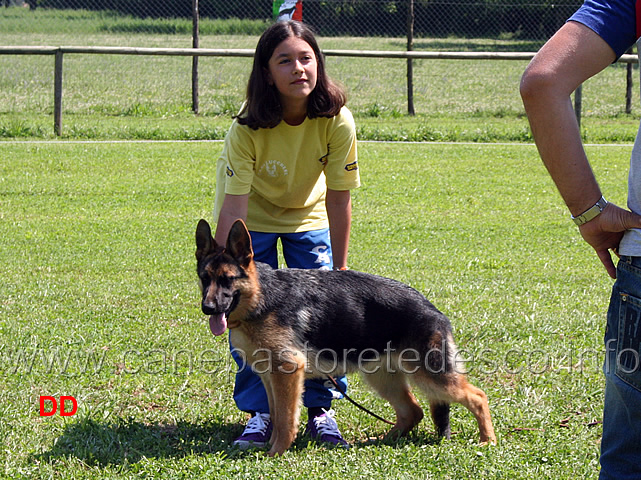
287,169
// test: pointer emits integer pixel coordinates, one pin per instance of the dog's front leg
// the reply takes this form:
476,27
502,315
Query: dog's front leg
286,390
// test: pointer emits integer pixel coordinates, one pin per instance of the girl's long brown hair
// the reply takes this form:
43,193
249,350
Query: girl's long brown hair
262,108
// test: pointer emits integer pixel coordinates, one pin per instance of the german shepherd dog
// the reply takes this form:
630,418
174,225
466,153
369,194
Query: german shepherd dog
294,324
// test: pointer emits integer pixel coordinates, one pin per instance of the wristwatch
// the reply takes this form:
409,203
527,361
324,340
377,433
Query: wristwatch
591,213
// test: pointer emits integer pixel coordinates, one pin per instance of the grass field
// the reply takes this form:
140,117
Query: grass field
99,301
128,97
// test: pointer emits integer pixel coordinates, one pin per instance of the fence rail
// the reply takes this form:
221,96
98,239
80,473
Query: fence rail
248,52
58,52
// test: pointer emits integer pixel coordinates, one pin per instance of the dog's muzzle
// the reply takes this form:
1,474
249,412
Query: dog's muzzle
218,319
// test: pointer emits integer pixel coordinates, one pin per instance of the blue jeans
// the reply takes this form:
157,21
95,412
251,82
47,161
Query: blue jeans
301,250
621,443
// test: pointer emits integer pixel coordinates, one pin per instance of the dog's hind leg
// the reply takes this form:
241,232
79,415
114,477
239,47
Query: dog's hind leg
394,388
454,388
441,417
475,400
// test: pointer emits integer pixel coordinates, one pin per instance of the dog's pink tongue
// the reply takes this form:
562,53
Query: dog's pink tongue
218,323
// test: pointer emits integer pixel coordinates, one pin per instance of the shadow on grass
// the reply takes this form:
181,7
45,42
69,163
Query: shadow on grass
129,441
413,438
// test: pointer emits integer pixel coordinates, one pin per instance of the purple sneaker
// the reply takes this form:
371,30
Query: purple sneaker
323,428
257,432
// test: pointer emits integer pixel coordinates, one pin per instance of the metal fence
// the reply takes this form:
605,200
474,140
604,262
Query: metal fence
533,20
436,27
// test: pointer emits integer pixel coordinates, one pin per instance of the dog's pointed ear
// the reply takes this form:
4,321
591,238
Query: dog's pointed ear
239,243
205,243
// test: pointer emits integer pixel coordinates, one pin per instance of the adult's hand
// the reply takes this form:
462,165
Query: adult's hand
604,233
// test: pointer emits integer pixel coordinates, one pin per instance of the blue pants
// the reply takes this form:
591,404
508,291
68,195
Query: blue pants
621,443
301,250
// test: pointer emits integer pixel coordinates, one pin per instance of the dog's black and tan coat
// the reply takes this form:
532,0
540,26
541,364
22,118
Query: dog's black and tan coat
294,324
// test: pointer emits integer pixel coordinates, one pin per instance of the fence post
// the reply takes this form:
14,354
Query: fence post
628,86
410,64
57,94
578,103
194,59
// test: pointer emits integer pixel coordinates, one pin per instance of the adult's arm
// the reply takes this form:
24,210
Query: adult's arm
574,54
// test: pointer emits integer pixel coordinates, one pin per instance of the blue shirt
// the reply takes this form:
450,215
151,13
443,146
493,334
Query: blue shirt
613,20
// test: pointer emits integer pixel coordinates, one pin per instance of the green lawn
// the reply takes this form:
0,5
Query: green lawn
99,300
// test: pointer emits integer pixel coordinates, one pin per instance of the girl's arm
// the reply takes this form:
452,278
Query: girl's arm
234,207
339,214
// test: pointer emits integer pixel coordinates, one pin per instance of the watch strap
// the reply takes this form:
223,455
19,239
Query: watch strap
591,213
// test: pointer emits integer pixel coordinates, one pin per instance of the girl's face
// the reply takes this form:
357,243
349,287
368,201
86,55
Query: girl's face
292,68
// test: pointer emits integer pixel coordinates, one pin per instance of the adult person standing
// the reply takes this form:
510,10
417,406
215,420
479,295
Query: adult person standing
595,36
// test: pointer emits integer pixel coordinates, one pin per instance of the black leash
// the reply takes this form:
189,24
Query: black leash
338,387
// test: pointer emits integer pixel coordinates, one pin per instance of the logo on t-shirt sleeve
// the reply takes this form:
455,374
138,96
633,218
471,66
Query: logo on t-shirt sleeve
351,167
230,172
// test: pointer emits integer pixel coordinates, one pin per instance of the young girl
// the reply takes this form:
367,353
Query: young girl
287,168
